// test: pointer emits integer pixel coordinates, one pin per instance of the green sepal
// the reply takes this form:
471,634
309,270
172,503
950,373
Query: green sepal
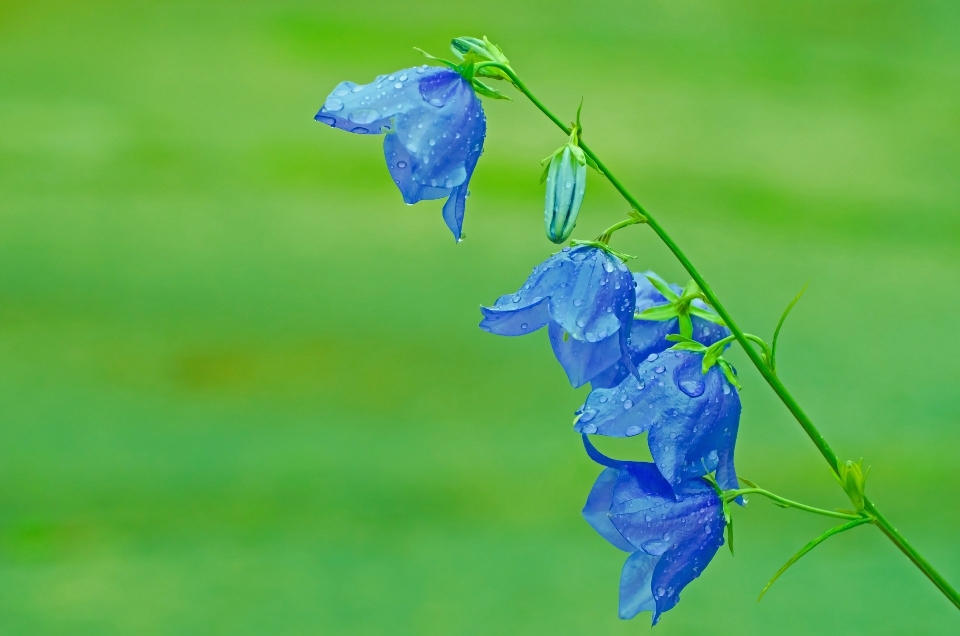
447,63
603,246
728,371
810,546
663,288
729,520
470,49
659,313
707,315
686,324
482,89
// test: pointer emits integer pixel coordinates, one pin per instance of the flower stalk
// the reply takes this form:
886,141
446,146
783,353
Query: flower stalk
763,361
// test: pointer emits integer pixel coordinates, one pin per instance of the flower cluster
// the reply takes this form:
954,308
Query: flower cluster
649,350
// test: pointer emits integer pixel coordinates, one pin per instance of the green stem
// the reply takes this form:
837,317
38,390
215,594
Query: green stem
730,495
768,374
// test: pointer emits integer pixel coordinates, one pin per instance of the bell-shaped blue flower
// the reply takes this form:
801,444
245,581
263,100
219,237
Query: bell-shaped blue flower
586,296
434,125
672,533
650,336
692,417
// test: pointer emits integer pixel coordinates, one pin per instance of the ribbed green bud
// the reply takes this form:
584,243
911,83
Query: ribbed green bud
853,479
566,179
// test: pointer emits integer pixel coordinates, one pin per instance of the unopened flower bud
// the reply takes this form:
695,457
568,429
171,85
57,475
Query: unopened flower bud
853,479
566,184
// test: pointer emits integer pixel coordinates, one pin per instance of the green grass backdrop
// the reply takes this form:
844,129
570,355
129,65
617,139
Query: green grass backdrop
242,389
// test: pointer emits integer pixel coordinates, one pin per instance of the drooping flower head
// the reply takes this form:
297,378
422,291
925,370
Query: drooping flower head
672,533
434,126
690,409
585,294
664,310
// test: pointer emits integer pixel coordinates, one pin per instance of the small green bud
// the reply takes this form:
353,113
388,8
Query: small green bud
483,50
566,178
853,480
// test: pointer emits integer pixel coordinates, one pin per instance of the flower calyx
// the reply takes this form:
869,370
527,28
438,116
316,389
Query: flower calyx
679,306
712,355
477,58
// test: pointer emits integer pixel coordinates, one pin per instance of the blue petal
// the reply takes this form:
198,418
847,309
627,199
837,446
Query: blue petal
692,418
636,593
526,306
434,148
368,108
702,418
687,560
598,506
596,295
583,360
517,321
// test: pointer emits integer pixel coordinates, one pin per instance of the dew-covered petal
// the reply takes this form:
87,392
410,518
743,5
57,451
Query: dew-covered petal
687,559
369,108
527,305
436,146
700,423
598,506
517,321
583,361
596,297
636,593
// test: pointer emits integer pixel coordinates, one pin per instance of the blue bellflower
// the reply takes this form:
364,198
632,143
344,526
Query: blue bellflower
650,336
585,295
692,417
434,125
671,533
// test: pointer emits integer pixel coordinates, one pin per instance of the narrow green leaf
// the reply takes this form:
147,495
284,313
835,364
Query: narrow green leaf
730,533
810,546
729,372
663,288
783,318
748,482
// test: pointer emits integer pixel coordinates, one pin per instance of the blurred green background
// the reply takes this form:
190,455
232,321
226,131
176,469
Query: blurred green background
242,389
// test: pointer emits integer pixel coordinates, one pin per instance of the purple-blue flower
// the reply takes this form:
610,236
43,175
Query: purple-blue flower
672,533
585,295
650,336
692,417
434,125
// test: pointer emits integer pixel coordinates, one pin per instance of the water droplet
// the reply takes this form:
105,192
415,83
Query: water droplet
661,591
420,70
398,85
634,430
333,105
392,77
523,325
329,121
640,386
628,405
360,130
647,518
692,388
726,389
403,78
577,302
712,456
401,164
341,92
364,116
589,429
516,298
588,414
357,89
581,324
603,398
652,357
660,368
607,265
